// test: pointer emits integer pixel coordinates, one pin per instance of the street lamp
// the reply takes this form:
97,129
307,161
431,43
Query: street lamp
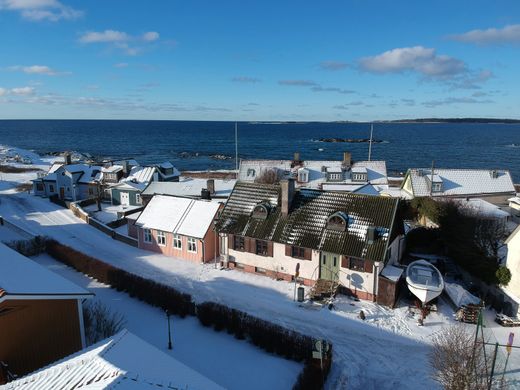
169,331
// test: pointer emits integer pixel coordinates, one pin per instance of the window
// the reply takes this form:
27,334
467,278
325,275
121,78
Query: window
261,211
261,247
138,199
192,245
338,222
298,252
147,235
251,172
177,241
303,175
161,238
357,264
437,187
90,191
51,188
39,187
240,243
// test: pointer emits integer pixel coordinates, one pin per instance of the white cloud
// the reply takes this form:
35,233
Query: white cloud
18,91
36,69
333,65
245,79
297,83
424,61
150,36
455,100
120,40
104,36
37,10
507,34
121,65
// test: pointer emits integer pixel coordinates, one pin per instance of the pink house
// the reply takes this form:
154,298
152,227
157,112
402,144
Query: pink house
179,227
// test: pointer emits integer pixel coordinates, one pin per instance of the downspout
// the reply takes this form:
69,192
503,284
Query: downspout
81,324
203,257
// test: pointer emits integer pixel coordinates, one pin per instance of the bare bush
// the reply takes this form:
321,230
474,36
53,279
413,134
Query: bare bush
268,177
457,366
99,322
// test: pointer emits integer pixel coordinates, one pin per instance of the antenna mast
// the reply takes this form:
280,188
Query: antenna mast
431,181
236,147
370,142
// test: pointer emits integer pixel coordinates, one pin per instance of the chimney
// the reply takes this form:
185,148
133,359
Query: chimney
347,159
68,158
287,195
205,194
296,157
210,185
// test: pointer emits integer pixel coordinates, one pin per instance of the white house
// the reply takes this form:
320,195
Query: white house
494,186
341,175
271,229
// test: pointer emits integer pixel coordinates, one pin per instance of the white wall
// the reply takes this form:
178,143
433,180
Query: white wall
279,262
358,281
513,263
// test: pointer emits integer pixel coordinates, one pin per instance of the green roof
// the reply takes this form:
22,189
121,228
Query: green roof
305,226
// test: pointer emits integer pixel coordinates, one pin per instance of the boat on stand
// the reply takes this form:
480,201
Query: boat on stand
424,280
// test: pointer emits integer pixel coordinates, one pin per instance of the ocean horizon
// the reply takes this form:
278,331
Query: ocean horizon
201,145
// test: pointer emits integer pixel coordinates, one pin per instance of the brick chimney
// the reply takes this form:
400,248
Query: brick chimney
347,159
68,158
210,186
287,195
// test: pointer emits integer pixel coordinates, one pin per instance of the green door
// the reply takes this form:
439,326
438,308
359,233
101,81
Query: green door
329,266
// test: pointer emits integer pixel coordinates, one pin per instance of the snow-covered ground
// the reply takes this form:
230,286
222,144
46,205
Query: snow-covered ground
108,212
386,351
231,363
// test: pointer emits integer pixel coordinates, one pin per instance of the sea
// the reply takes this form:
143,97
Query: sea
202,145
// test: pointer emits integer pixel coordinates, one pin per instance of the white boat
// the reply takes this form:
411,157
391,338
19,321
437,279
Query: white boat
424,280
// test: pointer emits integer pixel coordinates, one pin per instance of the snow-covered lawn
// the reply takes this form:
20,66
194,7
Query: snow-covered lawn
231,363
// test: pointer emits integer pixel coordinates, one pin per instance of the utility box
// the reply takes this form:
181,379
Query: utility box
301,294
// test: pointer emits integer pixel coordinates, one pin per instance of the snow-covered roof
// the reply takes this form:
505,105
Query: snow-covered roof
483,208
461,182
391,272
112,168
252,169
166,165
358,169
515,200
188,217
122,361
54,167
190,187
91,173
360,188
138,178
21,276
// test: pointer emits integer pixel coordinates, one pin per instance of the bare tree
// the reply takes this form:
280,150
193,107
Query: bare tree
99,322
457,365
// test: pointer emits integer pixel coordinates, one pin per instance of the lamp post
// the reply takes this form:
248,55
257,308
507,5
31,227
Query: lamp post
169,331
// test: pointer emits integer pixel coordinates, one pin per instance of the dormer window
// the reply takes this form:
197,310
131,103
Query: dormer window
338,222
435,182
261,211
303,175
334,174
359,174
251,172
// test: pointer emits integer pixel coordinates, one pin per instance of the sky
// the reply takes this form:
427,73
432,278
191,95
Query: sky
357,60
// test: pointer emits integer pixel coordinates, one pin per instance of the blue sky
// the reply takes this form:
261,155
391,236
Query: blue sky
266,60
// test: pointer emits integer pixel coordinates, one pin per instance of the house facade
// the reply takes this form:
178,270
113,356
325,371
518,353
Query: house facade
69,182
41,318
178,227
274,230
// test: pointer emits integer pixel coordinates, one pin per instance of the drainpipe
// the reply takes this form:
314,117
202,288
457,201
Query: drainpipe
203,257
376,279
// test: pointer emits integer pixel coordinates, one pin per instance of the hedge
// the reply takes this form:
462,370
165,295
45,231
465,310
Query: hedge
264,334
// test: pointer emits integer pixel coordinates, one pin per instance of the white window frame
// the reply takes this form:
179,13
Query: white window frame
161,238
192,245
138,199
147,235
177,241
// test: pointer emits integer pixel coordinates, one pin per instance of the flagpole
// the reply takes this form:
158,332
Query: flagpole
236,147
370,142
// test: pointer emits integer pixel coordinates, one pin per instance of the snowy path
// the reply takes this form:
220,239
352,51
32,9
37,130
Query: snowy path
365,356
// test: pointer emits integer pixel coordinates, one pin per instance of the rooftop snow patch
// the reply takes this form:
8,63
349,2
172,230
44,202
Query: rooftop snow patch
22,276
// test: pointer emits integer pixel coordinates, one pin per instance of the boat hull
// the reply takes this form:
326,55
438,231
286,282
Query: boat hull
424,288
